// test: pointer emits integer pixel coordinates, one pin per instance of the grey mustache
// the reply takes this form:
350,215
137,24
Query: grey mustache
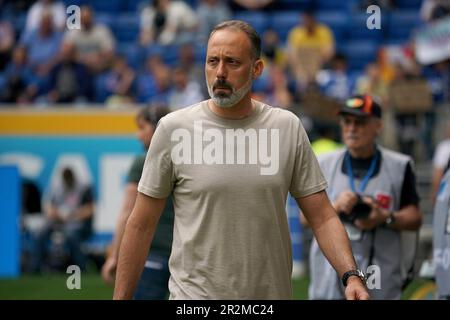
221,84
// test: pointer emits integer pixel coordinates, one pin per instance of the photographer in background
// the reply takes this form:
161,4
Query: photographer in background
373,190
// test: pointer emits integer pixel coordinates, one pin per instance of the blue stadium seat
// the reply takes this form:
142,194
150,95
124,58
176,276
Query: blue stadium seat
357,28
134,5
335,20
408,4
294,4
169,53
332,5
404,18
258,20
102,6
359,53
106,19
126,27
200,53
283,22
133,53
101,92
402,24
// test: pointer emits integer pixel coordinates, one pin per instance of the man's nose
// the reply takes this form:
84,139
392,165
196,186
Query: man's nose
221,71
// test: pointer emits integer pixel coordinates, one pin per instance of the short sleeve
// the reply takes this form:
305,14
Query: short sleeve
442,155
307,176
156,180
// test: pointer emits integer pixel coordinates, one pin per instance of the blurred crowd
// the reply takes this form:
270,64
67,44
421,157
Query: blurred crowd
153,52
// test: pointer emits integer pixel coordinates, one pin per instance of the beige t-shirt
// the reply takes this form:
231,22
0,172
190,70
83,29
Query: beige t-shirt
230,180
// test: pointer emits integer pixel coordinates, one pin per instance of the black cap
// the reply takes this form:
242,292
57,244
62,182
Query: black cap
361,106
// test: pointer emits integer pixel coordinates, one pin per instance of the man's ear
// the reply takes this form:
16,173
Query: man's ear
258,68
379,127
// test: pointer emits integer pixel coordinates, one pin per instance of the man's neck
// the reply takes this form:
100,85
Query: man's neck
241,110
363,153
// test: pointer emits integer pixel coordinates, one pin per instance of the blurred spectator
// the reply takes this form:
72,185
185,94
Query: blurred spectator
310,45
188,62
56,8
372,84
119,82
441,160
271,48
277,93
209,14
94,43
336,82
69,80
184,92
20,84
43,45
70,210
438,77
167,22
253,4
6,43
163,85
327,138
434,9
407,122
153,84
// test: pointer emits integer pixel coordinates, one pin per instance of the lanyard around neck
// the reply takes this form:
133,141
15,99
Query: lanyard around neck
365,180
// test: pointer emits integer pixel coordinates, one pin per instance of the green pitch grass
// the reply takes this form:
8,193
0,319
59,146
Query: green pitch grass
93,288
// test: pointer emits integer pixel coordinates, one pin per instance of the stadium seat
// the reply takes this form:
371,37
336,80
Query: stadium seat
126,27
105,18
404,18
112,6
408,4
134,5
332,5
294,4
283,22
402,24
258,20
133,53
200,53
359,53
335,20
101,92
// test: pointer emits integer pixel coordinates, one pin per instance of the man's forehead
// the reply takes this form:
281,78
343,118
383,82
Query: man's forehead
231,40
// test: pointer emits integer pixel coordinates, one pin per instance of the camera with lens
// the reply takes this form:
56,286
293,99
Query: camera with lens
361,210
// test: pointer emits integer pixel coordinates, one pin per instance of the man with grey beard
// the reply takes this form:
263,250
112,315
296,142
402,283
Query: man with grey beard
231,237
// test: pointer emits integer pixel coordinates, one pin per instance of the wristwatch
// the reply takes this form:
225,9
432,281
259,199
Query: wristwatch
358,273
391,219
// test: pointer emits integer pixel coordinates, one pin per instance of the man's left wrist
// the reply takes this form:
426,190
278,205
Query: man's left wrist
390,220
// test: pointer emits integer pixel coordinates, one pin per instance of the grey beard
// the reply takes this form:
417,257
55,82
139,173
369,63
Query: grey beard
234,98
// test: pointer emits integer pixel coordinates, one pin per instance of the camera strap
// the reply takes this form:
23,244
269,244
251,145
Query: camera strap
365,180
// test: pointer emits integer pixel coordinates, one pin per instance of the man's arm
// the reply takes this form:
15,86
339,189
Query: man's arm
109,268
332,239
139,231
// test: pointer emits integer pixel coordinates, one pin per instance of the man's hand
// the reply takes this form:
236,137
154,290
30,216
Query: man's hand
109,270
345,202
376,217
356,289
